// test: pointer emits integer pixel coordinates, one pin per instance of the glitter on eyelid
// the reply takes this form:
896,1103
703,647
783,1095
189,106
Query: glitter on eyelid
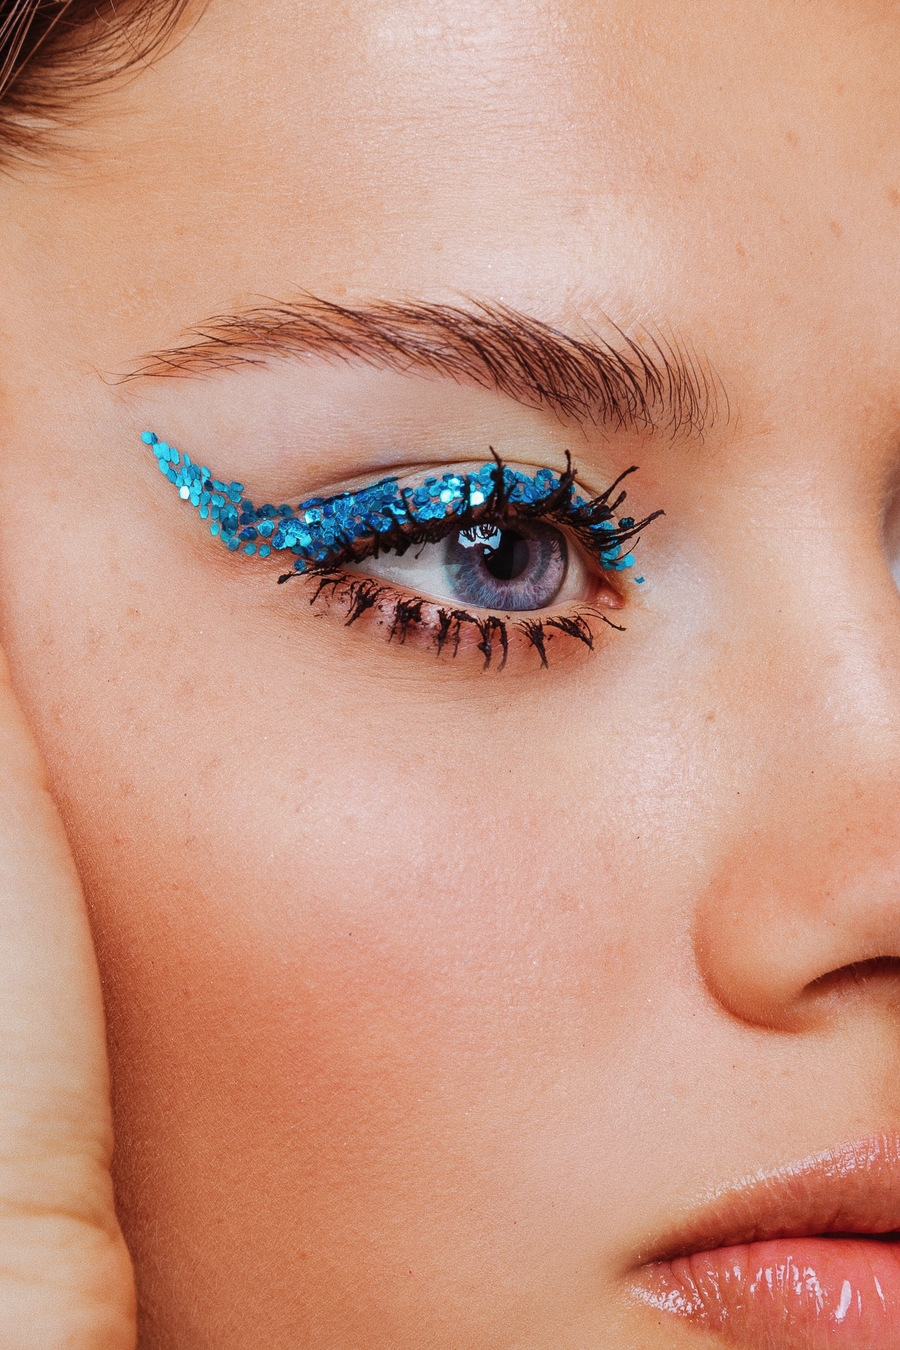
321,529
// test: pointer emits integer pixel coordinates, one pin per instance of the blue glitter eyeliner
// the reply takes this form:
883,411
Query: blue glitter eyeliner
321,532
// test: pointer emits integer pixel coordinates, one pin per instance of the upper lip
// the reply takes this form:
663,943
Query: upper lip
851,1189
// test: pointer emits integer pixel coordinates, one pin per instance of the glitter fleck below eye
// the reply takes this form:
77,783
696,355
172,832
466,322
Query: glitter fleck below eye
320,531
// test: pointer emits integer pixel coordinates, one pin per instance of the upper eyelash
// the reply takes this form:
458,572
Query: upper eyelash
382,517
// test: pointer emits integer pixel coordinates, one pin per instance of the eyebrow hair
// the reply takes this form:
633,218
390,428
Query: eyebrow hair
617,380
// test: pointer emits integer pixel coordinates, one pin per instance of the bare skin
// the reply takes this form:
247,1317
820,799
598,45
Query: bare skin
435,996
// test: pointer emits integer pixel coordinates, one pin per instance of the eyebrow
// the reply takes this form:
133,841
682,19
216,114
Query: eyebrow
614,379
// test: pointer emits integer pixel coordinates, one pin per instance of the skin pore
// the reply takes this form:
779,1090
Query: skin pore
435,998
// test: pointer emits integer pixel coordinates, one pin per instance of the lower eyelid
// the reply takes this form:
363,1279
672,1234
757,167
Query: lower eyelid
444,631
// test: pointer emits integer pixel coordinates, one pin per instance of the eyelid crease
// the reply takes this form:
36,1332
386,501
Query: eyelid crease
384,516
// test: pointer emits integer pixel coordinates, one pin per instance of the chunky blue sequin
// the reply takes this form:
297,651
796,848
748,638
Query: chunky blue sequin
321,530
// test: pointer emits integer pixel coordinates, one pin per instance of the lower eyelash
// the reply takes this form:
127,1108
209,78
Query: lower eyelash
405,614
576,626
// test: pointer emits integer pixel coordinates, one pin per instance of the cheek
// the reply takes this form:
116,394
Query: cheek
327,1061
344,1074
348,935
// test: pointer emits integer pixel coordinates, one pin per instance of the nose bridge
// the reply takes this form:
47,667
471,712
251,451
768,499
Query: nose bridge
827,732
823,620
808,880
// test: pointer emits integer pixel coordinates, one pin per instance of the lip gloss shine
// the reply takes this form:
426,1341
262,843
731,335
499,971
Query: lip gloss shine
788,1294
803,1258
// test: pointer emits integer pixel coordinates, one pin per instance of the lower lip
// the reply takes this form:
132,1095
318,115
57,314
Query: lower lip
787,1294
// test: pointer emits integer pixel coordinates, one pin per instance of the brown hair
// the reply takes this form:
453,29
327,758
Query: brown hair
54,52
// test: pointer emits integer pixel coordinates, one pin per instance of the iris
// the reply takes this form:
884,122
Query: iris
516,568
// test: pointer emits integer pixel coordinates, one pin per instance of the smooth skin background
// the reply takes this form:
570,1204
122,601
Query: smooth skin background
436,997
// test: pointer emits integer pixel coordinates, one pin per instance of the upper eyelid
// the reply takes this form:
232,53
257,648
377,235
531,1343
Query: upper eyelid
389,506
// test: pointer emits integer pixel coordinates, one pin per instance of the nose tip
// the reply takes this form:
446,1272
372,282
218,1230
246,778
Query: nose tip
788,932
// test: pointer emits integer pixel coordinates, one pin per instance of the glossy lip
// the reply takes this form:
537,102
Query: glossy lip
851,1190
806,1257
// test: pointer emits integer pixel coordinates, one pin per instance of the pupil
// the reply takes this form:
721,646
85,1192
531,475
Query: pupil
510,558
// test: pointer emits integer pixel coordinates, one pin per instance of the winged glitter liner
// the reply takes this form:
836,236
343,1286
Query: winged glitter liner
324,533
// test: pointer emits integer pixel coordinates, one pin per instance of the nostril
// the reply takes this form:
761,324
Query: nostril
879,977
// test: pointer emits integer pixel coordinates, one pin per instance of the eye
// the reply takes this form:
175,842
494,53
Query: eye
466,546
517,566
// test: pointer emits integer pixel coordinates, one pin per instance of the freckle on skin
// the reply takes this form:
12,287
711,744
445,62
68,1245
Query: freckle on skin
836,229
740,250
893,196
792,138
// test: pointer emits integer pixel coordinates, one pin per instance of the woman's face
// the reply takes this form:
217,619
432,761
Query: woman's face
441,999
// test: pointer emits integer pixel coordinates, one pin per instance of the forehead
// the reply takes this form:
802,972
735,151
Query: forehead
424,110
705,169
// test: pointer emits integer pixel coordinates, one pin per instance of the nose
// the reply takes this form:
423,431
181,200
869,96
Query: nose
800,916
793,928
